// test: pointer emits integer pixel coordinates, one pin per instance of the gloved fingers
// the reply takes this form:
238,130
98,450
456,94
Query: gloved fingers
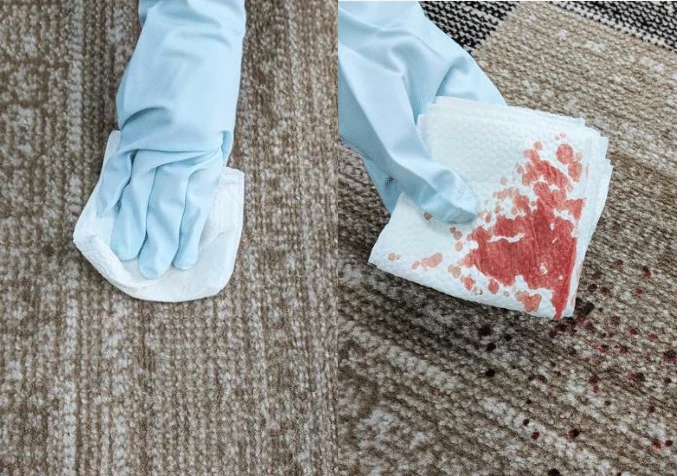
129,229
165,212
199,200
114,178
438,191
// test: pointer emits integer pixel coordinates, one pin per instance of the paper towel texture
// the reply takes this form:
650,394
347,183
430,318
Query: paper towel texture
217,249
541,182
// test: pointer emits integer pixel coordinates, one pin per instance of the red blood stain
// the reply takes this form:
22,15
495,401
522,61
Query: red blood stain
468,282
493,286
454,270
393,256
655,444
457,234
647,272
638,292
487,219
632,331
618,263
530,302
668,443
653,337
521,203
415,264
565,154
535,435
670,357
510,247
458,246
431,261
596,275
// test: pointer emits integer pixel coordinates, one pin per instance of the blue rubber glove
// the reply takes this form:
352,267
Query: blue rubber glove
176,113
393,61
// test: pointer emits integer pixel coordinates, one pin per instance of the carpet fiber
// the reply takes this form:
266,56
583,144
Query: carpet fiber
94,382
433,385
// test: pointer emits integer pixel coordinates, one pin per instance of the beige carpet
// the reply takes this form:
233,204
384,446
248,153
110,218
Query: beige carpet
433,385
94,382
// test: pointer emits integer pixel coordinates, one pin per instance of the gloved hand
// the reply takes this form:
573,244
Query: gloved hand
176,113
393,61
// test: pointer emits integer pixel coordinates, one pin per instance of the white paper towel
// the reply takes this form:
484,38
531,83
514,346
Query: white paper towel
541,182
217,249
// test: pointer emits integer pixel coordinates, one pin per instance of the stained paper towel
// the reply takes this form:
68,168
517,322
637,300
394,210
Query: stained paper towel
217,249
541,182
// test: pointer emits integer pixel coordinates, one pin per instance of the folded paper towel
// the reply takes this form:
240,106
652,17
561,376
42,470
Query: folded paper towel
541,182
217,248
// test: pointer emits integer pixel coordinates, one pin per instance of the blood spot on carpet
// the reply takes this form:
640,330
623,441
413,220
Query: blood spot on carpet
646,272
670,357
583,308
655,444
573,433
525,422
535,435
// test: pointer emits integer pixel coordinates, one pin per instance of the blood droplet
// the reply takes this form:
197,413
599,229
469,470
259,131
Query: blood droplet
431,261
455,271
493,286
530,302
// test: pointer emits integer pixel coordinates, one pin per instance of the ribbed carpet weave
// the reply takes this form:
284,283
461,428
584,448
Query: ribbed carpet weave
433,385
94,382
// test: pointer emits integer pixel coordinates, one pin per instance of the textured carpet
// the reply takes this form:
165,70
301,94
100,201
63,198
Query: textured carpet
433,385
94,382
